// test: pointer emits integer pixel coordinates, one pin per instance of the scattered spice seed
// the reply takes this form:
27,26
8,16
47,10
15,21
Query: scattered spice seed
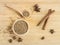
14,37
50,11
25,13
19,14
42,38
19,39
36,8
10,40
44,25
9,29
51,31
11,32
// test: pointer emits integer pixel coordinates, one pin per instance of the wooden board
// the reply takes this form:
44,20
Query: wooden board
34,33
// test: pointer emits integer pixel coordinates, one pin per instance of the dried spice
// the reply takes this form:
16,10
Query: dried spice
51,31
19,39
42,38
36,8
9,29
20,27
50,11
10,40
9,26
12,34
25,13
17,12
14,37
44,25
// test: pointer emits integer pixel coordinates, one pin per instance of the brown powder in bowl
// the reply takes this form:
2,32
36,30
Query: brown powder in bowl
20,27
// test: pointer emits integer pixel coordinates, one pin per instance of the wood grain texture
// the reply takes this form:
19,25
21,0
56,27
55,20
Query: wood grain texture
35,33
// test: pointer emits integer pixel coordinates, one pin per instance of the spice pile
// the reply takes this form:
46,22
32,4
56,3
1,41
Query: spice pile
21,27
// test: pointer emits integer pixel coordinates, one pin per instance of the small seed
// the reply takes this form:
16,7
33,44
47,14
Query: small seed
14,37
51,31
19,40
42,37
10,40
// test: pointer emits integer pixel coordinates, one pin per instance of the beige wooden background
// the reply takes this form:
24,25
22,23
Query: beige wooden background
34,34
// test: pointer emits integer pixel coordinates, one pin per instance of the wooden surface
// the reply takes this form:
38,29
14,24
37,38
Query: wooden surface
34,34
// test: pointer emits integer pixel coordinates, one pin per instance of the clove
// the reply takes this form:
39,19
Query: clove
36,8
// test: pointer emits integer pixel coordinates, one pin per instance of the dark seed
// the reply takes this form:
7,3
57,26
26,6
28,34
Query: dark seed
51,31
42,37
9,27
19,40
10,40
11,32
14,37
